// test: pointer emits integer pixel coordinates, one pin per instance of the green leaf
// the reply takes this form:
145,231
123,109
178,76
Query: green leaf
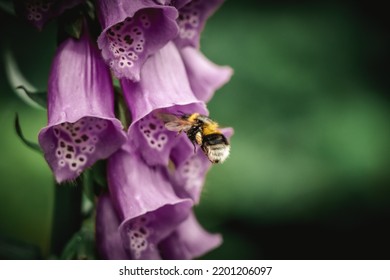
74,27
82,245
121,110
99,174
90,10
88,184
94,180
19,132
39,98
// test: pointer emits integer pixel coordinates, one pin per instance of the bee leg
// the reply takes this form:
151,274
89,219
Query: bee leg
178,133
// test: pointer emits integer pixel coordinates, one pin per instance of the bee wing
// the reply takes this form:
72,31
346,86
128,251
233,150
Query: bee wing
165,117
176,126
174,123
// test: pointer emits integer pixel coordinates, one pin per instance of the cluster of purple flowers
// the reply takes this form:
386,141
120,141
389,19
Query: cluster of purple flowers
154,176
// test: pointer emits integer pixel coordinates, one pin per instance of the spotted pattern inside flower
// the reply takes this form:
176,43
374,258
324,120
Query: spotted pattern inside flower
189,20
76,142
138,234
127,40
153,131
191,171
37,8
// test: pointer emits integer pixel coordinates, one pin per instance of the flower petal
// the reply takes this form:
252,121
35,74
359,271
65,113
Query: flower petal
191,21
189,241
132,31
191,168
205,77
38,12
146,203
108,240
163,85
81,126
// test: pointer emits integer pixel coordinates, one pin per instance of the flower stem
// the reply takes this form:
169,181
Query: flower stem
67,214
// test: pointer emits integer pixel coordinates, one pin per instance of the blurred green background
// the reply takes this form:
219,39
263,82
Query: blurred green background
308,173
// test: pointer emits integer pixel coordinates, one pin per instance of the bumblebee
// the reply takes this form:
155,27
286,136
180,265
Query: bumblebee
201,130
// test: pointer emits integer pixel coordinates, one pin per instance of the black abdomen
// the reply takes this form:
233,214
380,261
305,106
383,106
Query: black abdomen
215,139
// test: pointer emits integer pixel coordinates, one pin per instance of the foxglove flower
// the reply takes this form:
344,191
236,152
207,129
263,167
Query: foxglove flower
81,126
188,241
132,31
204,76
145,201
192,19
163,86
38,12
154,176
108,239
